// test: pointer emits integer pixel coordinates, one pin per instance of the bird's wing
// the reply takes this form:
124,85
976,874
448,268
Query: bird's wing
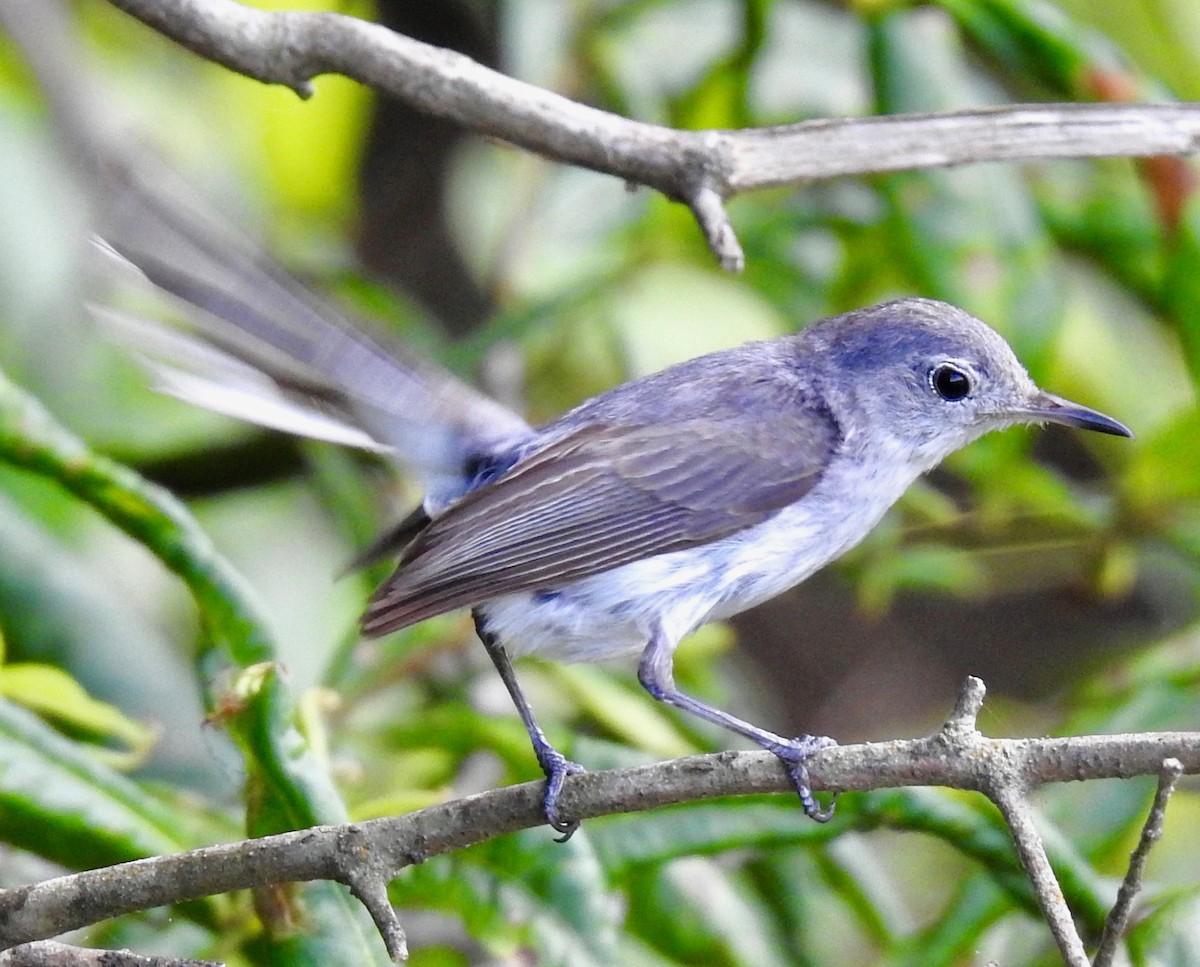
601,497
232,331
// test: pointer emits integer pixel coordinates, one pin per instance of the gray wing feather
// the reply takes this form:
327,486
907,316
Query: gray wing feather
599,498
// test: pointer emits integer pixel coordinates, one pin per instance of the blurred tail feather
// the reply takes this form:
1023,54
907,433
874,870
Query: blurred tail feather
222,327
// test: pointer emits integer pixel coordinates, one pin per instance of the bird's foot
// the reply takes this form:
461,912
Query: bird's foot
557,767
795,754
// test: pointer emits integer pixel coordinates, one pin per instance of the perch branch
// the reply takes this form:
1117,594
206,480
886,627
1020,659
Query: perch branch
50,953
366,854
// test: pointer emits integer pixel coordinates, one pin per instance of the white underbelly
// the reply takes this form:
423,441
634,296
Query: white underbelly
614,613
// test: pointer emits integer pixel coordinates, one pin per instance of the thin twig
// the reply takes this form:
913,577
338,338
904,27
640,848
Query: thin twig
1011,796
963,716
368,883
1118,917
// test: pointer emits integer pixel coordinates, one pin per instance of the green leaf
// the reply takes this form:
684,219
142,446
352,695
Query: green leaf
58,801
625,843
288,786
1159,36
459,728
316,923
1181,290
977,905
569,882
631,716
1164,475
971,235
1031,40
971,825
524,893
965,822
867,884
691,307
711,915
1169,936
53,693
924,567
31,439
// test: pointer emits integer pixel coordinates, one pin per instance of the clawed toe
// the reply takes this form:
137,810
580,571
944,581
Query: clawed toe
557,767
565,826
798,773
794,755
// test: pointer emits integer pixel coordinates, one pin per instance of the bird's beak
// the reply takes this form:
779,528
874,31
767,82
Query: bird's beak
1054,409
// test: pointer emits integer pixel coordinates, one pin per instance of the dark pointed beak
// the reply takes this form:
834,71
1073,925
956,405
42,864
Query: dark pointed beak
1054,409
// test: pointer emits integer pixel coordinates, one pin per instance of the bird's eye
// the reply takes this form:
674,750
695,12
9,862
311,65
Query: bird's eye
950,382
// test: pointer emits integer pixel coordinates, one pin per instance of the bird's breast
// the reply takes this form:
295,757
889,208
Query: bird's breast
613,613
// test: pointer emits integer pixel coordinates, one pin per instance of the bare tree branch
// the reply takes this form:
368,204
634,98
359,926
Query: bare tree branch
366,855
48,953
698,168
1009,789
1011,797
1118,917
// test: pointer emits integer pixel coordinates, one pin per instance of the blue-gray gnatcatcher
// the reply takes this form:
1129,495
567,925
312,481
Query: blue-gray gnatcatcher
667,502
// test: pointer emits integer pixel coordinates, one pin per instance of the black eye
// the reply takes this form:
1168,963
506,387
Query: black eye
950,382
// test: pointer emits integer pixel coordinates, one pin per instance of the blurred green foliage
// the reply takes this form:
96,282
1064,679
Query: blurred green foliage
272,716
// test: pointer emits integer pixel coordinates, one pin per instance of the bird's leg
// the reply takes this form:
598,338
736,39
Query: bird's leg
657,675
554,764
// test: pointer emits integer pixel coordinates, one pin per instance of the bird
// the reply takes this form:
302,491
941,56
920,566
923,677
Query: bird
680,498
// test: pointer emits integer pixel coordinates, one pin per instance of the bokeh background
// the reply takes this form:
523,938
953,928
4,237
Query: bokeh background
1059,567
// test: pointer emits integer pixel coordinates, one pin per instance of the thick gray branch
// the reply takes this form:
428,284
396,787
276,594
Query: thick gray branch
699,168
956,757
48,953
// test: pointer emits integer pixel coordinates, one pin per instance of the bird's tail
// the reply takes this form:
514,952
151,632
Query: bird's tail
223,327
